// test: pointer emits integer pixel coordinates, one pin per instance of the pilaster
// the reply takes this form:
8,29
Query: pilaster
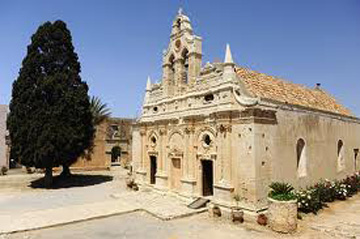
223,188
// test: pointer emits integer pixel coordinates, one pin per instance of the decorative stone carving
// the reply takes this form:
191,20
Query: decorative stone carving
189,130
142,132
224,128
162,131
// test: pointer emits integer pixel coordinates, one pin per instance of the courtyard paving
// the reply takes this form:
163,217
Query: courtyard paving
27,209
109,210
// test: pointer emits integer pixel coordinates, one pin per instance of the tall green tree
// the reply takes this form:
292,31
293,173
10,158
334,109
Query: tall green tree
50,120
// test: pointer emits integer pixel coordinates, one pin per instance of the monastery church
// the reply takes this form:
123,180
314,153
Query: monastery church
219,130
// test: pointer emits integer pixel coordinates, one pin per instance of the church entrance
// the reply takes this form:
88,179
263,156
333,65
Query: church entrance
207,177
175,173
153,169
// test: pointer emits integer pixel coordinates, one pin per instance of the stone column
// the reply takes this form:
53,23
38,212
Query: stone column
194,66
228,154
188,180
161,152
162,175
141,172
179,71
143,148
168,79
192,156
223,187
189,153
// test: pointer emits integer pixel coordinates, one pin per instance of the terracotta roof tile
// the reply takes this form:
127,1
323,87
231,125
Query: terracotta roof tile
273,88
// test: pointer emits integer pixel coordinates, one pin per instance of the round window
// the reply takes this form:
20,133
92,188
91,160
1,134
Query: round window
209,97
207,140
153,140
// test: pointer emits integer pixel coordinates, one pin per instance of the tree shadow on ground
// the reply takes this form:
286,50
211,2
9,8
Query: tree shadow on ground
76,180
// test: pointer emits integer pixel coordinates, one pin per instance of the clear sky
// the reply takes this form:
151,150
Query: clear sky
120,43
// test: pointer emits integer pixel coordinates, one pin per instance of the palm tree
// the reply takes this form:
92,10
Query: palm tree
100,113
99,110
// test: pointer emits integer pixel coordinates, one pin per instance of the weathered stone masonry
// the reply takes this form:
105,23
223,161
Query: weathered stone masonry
4,161
221,130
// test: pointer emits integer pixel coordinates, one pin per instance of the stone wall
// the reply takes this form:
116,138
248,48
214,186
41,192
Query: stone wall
276,148
111,133
3,149
98,160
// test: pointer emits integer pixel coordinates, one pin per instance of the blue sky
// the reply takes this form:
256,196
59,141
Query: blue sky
120,42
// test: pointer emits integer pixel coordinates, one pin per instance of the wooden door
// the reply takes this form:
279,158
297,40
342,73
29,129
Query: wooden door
176,173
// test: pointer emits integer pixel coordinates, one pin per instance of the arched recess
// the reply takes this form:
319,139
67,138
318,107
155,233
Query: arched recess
115,154
340,155
185,56
176,160
171,68
176,140
301,163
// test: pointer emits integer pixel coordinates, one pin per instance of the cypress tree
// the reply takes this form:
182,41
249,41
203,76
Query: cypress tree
50,121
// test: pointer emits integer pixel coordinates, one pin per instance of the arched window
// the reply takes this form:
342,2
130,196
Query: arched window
172,69
301,158
178,24
185,55
340,156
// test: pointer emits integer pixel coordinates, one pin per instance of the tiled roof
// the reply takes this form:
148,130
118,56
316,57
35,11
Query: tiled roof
268,87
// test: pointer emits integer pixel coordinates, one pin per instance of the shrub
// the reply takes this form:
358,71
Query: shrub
326,190
309,200
281,191
341,190
352,184
314,198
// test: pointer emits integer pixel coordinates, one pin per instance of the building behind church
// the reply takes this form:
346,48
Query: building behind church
221,130
112,146
4,154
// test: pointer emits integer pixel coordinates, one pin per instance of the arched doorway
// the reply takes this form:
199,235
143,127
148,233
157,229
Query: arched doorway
153,169
115,154
207,177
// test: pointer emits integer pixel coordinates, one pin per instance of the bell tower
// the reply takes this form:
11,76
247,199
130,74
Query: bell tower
182,58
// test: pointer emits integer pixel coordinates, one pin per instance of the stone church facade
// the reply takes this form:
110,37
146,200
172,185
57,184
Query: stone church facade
221,130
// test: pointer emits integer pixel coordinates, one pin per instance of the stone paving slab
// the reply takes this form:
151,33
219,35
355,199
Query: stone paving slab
340,220
160,206
47,218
